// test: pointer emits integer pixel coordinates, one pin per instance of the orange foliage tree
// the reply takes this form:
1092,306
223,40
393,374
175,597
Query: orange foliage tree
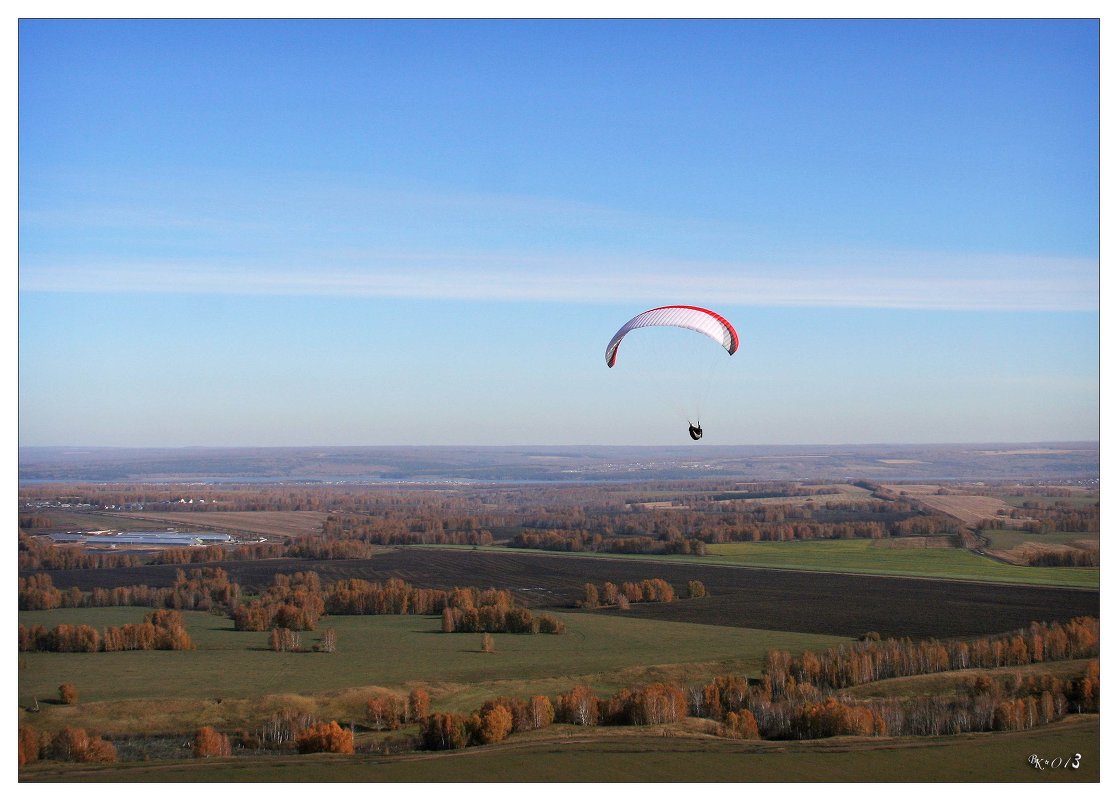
209,742
29,745
496,725
75,745
385,712
419,704
325,738
741,725
579,706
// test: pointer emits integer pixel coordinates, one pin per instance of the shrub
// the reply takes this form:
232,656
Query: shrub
67,693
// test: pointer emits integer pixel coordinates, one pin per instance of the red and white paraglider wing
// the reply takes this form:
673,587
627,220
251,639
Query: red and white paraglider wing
693,318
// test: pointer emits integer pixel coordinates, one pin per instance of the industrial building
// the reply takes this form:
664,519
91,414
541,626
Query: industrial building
157,538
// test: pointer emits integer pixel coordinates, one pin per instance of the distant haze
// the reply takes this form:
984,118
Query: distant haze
1072,463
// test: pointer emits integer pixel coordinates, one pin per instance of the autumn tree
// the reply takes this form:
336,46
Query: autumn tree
328,643
325,738
609,593
209,742
741,725
67,693
547,624
487,645
385,711
589,596
541,713
419,704
29,745
75,745
579,706
496,725
284,640
443,731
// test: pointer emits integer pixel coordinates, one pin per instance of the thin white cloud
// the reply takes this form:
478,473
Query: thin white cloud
868,280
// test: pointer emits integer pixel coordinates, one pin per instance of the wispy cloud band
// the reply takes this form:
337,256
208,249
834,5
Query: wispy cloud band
868,280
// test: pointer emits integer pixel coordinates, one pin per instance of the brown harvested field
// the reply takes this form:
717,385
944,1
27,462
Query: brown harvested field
778,600
274,525
968,508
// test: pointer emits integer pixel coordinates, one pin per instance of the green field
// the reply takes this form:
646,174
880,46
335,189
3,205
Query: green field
866,556
613,755
151,690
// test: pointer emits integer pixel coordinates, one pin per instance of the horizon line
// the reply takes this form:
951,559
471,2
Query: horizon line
961,443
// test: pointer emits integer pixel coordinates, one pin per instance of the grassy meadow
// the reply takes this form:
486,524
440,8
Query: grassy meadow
875,557
232,676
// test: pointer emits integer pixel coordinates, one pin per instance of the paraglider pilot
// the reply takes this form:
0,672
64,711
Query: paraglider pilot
696,431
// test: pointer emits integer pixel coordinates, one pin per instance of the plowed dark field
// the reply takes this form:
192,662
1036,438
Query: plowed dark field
782,600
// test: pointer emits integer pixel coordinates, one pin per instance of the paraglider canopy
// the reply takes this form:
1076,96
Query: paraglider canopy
692,318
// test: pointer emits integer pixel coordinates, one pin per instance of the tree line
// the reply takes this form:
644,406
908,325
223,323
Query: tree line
161,630
296,602
652,590
875,659
1072,557
43,554
1046,518
68,745
201,589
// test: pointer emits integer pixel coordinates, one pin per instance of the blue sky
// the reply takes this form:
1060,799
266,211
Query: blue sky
425,232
